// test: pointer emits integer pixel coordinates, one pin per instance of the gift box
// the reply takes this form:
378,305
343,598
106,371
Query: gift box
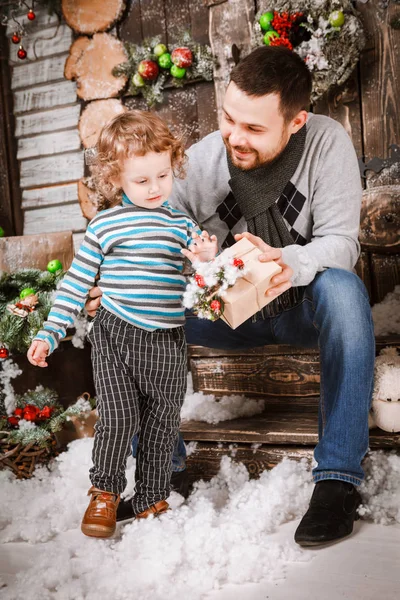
247,296
35,251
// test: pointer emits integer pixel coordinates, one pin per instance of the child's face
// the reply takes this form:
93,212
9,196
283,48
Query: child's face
147,180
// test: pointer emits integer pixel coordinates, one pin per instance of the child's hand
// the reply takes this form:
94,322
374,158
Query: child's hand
203,247
37,353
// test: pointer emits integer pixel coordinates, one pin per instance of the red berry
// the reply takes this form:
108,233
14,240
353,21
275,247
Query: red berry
199,280
215,305
45,413
4,352
148,69
182,57
31,15
237,262
21,53
18,412
13,421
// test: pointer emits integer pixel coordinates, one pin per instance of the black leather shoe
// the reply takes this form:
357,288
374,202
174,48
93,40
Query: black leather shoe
179,483
331,514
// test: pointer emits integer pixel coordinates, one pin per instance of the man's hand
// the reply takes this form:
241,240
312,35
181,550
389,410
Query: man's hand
202,248
280,282
37,353
93,301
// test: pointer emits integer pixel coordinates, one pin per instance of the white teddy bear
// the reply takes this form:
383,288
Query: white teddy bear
385,409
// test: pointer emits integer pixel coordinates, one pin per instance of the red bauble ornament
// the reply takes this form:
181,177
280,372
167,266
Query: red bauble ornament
30,412
237,262
31,15
199,280
13,421
15,38
148,69
182,57
215,305
4,353
21,53
18,412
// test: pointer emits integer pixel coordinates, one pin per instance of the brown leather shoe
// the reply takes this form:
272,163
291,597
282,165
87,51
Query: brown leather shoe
156,509
100,517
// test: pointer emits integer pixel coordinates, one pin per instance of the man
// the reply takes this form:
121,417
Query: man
289,181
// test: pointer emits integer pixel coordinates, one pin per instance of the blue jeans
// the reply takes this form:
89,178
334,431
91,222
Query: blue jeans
334,316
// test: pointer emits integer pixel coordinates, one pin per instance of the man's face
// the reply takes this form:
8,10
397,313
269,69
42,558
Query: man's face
253,129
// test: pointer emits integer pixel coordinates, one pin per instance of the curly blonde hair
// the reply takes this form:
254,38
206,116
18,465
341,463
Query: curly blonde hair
131,133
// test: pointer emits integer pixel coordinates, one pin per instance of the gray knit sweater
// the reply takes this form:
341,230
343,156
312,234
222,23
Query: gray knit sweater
321,206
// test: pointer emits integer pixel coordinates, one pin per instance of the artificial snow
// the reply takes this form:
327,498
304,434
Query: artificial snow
204,407
386,314
222,534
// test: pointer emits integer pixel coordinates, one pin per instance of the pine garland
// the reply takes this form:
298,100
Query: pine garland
152,91
17,333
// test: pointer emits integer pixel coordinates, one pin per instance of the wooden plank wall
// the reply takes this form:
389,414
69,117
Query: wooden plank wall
191,111
46,117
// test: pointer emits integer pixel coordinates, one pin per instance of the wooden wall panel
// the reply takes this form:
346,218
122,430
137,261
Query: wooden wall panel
380,84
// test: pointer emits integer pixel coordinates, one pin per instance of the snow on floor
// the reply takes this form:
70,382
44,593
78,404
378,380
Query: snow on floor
231,532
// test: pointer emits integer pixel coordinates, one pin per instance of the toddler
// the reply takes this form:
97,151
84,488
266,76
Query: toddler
138,344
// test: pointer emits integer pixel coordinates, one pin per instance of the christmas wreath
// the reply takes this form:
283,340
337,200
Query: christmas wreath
152,66
37,415
327,34
204,291
27,433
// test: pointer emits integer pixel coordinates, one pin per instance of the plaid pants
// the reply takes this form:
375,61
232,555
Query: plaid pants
140,379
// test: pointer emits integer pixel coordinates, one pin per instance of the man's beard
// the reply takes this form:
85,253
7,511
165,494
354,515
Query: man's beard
259,160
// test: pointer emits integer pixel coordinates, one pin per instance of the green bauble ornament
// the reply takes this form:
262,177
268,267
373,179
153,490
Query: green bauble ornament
336,18
269,36
177,72
160,49
1,232
165,61
138,80
266,20
54,266
26,292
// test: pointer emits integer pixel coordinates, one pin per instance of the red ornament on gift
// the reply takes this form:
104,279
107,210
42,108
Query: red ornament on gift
30,412
215,305
13,421
4,352
31,15
200,280
15,38
237,262
21,53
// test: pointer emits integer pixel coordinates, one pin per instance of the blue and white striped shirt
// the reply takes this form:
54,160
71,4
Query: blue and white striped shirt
137,253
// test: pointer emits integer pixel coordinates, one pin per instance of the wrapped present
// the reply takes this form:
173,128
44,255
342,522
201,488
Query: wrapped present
247,296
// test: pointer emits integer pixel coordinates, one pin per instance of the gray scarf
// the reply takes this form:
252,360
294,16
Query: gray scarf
256,192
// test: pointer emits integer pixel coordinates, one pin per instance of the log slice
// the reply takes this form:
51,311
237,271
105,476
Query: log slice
95,116
95,65
92,16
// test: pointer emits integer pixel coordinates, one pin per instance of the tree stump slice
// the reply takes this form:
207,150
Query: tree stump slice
95,116
75,52
380,219
88,198
94,68
92,16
